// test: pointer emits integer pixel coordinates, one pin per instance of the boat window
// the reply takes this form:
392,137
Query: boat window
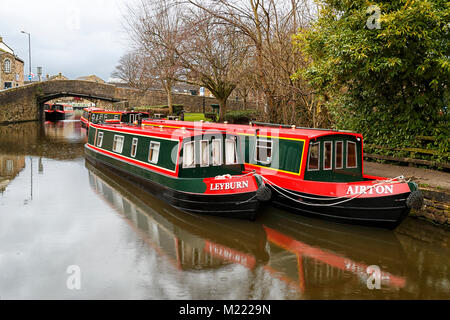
204,153
134,147
351,155
189,155
118,144
216,152
327,161
314,154
153,154
339,155
263,152
230,151
99,139
116,117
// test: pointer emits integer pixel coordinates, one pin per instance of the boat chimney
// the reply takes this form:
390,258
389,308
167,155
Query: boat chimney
293,127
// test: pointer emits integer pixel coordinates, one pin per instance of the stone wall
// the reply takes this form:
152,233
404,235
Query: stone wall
190,102
436,207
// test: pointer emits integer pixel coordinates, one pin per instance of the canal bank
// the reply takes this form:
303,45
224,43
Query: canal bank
435,186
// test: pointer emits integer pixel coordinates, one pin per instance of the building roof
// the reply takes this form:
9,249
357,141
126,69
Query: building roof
4,47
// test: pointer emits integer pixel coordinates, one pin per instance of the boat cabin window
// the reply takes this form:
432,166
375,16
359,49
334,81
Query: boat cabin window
153,154
339,155
118,144
134,145
263,151
216,152
351,155
230,151
189,155
314,155
204,153
99,139
327,161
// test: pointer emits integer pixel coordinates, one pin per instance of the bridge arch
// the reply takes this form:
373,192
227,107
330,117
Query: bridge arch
26,103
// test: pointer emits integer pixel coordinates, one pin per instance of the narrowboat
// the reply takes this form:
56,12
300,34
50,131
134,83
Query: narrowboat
112,117
194,171
56,112
318,172
86,116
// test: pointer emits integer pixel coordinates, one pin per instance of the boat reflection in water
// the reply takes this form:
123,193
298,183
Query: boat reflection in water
68,131
189,241
286,256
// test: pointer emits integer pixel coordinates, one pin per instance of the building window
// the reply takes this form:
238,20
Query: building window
99,139
7,66
328,156
9,166
7,85
351,155
118,144
263,152
134,147
230,151
189,155
153,154
314,156
217,152
204,153
339,155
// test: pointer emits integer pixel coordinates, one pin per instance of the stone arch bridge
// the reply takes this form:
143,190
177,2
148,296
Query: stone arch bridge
26,103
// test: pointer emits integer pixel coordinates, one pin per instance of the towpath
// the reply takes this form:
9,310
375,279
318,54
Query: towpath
424,177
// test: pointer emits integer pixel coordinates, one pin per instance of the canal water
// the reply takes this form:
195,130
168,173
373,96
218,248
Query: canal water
71,231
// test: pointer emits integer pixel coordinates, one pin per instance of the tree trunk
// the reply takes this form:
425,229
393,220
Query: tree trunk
168,88
223,109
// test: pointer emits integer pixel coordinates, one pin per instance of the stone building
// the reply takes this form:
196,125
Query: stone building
11,71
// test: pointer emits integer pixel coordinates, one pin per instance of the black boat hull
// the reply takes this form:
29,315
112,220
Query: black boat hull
241,206
383,212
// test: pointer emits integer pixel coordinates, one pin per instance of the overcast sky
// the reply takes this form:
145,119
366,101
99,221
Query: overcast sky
77,37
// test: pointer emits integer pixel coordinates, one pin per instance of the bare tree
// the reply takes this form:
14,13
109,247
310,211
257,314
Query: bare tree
133,70
269,25
213,55
155,28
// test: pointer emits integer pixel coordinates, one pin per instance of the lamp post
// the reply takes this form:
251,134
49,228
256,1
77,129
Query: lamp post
29,53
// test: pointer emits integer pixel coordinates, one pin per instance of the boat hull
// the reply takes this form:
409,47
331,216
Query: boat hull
383,212
235,205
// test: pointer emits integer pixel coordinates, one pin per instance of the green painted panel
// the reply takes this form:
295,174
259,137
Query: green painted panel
336,175
167,154
180,184
286,154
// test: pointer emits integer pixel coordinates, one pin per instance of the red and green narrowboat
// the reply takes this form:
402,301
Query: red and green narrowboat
318,172
95,115
86,116
57,112
194,171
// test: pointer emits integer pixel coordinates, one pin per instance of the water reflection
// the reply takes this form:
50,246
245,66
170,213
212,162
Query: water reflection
305,257
10,167
131,245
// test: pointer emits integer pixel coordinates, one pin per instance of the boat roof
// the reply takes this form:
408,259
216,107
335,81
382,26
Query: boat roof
93,109
268,130
157,131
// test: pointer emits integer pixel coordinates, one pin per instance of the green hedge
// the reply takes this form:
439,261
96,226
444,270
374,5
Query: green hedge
240,116
163,109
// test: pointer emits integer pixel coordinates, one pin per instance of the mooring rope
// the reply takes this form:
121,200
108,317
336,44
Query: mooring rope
399,179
